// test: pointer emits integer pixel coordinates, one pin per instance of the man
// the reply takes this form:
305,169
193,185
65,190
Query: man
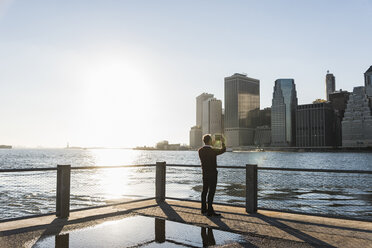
208,158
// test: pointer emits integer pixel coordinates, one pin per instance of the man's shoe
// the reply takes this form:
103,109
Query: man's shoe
203,211
214,214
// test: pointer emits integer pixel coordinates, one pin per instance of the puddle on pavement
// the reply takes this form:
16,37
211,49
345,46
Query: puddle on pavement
140,231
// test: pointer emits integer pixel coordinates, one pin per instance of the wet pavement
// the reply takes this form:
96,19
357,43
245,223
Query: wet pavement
180,224
140,231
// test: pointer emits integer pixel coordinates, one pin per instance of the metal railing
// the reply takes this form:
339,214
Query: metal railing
247,184
325,192
40,191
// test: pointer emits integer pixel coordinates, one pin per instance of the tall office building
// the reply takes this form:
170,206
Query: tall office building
368,81
262,134
357,122
196,131
212,114
199,107
283,112
242,98
330,84
339,100
315,125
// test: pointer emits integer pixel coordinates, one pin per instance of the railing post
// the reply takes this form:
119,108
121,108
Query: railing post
251,188
63,191
160,181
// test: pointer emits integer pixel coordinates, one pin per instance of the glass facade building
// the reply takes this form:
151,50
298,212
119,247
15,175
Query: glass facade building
283,111
242,100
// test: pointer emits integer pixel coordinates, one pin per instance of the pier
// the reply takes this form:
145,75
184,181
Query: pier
261,229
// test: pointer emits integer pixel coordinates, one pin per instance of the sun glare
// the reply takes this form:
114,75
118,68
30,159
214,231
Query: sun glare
113,96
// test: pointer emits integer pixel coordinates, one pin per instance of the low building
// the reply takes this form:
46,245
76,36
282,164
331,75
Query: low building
262,136
315,125
357,122
236,137
164,145
195,137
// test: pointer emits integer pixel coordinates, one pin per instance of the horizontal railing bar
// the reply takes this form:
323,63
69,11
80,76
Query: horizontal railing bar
278,169
28,169
191,200
111,166
316,170
183,165
198,166
76,168
190,166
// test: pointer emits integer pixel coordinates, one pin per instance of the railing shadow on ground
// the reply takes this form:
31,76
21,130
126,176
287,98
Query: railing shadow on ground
265,217
293,231
57,222
174,210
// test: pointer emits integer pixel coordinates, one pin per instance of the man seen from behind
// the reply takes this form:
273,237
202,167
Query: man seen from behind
208,158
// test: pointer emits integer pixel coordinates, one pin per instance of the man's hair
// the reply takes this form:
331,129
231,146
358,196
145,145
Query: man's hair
207,138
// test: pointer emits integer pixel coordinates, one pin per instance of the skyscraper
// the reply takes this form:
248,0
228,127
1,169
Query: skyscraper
330,84
357,122
199,107
315,125
283,112
368,81
242,96
212,114
196,131
339,100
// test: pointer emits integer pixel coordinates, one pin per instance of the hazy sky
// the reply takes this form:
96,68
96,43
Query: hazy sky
126,73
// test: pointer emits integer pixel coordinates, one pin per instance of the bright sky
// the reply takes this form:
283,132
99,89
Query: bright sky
126,73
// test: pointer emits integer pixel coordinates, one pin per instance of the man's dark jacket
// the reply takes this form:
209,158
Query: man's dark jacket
208,158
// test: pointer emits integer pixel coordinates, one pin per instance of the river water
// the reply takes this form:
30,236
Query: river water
28,193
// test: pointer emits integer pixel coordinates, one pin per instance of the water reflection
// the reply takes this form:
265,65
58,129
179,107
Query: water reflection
62,241
138,231
207,237
159,230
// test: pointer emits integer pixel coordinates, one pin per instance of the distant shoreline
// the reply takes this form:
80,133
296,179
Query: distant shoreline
5,147
156,149
275,149
236,149
303,149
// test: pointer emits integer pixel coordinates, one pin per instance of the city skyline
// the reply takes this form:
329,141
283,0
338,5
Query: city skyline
121,74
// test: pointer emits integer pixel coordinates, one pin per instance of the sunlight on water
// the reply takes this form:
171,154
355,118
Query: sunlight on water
114,156
113,184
